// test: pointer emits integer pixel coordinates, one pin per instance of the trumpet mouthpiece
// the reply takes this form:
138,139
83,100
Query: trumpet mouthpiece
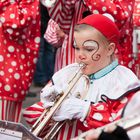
81,64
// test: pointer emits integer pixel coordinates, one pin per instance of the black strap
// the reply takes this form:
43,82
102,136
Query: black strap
118,134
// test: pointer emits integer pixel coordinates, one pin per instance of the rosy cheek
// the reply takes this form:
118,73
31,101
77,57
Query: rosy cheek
77,58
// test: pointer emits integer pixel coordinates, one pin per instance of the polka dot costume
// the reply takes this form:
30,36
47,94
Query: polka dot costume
136,21
136,14
19,45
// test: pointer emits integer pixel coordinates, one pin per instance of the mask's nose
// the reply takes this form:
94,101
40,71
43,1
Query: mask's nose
81,55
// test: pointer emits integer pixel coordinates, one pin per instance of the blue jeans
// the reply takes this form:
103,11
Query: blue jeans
45,64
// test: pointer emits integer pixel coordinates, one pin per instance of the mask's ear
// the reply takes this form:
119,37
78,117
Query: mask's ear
111,48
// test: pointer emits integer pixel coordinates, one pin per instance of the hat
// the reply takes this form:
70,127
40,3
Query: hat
104,25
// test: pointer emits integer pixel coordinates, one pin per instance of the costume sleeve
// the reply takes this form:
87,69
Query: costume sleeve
63,13
20,21
20,41
51,34
102,113
33,112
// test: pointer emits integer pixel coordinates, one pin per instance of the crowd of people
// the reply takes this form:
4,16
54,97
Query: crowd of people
101,38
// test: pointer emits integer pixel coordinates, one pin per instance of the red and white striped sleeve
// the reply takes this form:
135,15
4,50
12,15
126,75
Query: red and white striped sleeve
33,112
51,34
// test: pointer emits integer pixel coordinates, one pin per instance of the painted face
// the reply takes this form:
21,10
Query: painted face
89,49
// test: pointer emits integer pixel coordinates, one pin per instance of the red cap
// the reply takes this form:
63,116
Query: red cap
103,24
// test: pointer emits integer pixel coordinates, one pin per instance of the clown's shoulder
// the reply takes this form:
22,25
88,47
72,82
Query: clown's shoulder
119,81
66,73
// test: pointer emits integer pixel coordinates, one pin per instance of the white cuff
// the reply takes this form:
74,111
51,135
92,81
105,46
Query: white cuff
86,109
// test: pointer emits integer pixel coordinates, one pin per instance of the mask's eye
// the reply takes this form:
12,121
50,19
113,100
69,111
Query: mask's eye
91,45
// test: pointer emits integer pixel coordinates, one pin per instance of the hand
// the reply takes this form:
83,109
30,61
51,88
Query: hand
48,95
60,33
72,108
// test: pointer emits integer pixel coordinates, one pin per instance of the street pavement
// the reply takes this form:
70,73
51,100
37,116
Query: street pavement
32,97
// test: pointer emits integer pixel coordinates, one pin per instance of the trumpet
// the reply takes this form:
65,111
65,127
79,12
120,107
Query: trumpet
128,123
45,127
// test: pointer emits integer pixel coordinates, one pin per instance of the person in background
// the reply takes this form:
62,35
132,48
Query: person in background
19,46
66,15
103,89
46,59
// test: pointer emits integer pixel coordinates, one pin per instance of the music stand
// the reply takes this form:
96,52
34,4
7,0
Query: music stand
15,131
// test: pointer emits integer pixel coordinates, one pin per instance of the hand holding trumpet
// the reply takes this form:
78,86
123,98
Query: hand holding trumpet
71,108
48,95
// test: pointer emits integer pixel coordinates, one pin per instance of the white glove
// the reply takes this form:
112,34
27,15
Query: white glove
48,94
72,108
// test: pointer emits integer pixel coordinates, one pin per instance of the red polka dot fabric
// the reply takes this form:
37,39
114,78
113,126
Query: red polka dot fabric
136,21
136,14
19,45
